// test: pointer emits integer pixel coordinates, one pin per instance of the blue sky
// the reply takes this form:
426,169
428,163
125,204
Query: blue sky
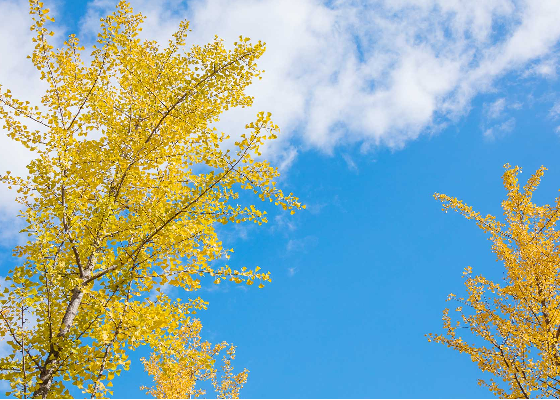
381,104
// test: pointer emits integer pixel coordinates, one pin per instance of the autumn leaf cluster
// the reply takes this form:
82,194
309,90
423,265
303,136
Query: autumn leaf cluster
180,361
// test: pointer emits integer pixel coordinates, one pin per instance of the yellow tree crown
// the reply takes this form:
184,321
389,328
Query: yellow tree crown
516,323
128,185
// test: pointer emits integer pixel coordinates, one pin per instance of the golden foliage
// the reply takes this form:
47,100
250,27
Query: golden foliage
129,182
516,324
180,361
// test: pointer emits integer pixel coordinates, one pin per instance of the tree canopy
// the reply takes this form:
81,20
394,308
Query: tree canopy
130,180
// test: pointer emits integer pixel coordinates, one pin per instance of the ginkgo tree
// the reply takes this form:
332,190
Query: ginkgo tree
129,181
513,325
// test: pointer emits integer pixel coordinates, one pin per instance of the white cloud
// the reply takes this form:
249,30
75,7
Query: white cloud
516,105
554,112
497,119
302,245
288,155
500,130
283,223
350,163
545,68
495,109
378,73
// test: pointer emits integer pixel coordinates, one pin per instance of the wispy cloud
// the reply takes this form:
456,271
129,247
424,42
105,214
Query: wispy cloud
302,245
545,68
500,130
554,112
350,162
497,121
315,208
283,223
495,109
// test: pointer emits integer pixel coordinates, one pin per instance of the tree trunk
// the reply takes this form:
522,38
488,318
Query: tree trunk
51,363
